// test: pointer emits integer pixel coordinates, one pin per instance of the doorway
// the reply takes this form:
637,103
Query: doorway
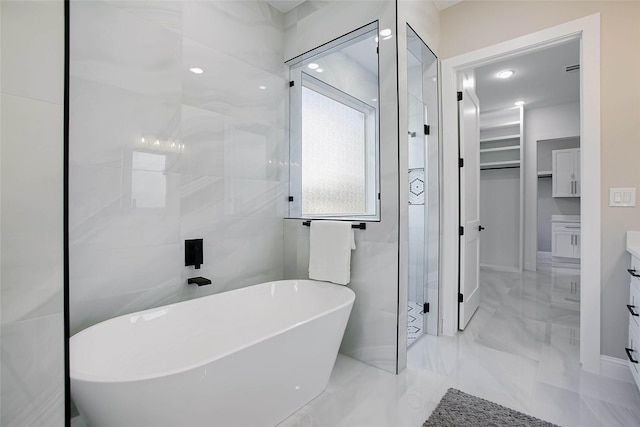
587,30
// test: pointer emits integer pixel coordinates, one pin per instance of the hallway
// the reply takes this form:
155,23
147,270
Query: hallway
519,350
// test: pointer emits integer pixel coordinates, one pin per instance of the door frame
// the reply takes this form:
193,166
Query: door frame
587,29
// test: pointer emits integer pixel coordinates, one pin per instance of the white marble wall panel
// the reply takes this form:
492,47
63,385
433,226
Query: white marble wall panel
110,122
250,31
165,13
232,86
218,169
32,208
32,50
306,25
115,47
33,372
31,291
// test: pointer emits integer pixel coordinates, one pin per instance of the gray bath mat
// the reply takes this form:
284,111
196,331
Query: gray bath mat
461,409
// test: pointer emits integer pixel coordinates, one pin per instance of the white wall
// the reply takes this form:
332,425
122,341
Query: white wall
500,215
556,121
227,184
31,274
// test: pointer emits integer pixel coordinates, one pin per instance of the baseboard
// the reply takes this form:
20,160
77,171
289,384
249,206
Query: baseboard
500,268
613,367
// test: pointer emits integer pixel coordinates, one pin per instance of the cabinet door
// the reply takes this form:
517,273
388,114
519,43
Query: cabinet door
566,172
576,244
562,244
576,169
562,173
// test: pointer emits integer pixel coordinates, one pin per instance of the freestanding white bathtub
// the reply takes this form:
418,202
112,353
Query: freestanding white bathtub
248,357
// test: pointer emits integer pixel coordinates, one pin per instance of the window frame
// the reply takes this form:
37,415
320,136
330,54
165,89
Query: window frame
298,80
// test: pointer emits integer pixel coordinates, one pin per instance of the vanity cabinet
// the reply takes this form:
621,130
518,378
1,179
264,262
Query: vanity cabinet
565,171
633,349
565,239
633,306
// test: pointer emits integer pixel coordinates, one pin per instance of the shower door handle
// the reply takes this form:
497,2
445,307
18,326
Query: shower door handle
480,228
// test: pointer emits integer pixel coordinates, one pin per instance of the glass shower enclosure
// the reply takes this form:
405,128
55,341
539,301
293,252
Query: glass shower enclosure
423,173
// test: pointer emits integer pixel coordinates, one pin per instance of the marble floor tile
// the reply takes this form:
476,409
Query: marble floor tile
520,350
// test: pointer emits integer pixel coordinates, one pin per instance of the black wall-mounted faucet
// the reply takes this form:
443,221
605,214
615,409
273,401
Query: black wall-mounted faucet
193,253
200,281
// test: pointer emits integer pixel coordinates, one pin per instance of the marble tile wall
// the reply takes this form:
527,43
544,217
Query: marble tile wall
372,333
159,154
31,272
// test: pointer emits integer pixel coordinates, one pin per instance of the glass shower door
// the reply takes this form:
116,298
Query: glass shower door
424,184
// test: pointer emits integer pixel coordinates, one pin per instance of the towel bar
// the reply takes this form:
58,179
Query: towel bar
361,226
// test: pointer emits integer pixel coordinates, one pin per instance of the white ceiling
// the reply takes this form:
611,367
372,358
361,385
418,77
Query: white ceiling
284,6
443,4
540,79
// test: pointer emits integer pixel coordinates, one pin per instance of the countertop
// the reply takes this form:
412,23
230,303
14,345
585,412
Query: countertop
633,243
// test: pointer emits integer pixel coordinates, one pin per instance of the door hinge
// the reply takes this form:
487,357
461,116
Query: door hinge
460,298
459,96
460,163
461,231
291,83
427,129
291,198
377,50
425,307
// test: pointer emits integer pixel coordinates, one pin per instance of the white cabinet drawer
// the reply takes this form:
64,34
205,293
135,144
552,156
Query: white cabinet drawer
633,354
565,226
634,305
634,271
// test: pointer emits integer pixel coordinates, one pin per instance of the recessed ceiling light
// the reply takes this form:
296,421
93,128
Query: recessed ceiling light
319,70
262,87
313,66
505,74
518,103
196,70
386,32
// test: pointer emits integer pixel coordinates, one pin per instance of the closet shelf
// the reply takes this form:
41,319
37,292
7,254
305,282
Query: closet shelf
508,148
544,174
500,125
509,163
501,138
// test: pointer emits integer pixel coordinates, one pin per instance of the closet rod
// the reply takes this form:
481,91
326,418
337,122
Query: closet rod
501,167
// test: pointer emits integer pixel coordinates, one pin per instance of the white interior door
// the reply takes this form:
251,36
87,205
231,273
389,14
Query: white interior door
469,124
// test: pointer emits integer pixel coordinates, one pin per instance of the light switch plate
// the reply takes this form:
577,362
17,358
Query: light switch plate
625,197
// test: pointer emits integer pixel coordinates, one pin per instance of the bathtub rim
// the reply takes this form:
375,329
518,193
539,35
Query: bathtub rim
91,378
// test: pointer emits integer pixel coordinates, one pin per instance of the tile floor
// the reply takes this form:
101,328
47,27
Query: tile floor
519,350
415,322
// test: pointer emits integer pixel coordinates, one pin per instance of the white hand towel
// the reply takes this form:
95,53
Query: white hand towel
331,243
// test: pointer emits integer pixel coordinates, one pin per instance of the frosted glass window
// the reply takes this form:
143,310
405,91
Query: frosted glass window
333,157
148,181
333,129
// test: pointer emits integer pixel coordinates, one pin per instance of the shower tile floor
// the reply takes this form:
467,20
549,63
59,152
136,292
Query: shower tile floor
415,323
520,350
